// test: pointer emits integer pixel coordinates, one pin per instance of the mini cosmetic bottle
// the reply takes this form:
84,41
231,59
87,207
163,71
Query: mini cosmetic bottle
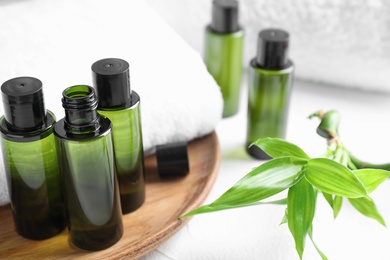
118,102
30,160
87,167
223,52
269,86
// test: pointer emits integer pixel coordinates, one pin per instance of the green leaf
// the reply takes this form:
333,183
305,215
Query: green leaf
367,207
208,208
284,219
337,203
262,182
328,198
331,177
276,147
301,203
323,256
372,178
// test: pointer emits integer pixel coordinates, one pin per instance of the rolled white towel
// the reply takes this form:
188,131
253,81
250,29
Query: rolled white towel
58,41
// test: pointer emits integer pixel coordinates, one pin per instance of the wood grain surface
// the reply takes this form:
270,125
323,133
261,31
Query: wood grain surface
145,228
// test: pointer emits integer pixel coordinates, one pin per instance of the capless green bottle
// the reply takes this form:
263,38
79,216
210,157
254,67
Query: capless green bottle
30,160
87,167
223,52
269,88
121,104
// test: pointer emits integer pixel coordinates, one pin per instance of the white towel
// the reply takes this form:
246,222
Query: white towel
57,42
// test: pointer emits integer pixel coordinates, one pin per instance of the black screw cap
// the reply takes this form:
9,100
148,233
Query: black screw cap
225,16
24,107
272,49
111,79
172,160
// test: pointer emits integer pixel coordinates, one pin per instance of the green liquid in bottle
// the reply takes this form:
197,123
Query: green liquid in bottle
223,59
30,160
268,102
129,156
223,52
86,156
118,102
269,87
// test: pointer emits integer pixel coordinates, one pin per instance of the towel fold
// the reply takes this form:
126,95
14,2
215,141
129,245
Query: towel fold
58,41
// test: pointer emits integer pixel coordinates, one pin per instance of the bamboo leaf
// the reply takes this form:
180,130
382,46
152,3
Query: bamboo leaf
284,219
328,198
331,177
372,178
323,256
301,201
368,208
276,147
262,182
208,208
337,203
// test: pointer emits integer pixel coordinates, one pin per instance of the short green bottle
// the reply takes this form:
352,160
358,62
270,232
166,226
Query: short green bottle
269,87
30,160
223,52
87,167
118,102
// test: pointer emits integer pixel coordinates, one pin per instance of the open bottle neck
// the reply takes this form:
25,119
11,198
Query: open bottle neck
80,104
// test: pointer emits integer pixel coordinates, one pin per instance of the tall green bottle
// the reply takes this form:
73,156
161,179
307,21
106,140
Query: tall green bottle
223,52
269,87
87,166
30,160
118,102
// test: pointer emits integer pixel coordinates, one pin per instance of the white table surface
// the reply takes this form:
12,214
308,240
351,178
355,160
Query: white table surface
255,232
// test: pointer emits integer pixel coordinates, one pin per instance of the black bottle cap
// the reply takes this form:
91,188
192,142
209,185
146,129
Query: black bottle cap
172,160
225,16
24,107
272,49
111,79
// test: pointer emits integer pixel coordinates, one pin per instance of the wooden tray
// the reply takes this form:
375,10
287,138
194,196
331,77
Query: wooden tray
144,229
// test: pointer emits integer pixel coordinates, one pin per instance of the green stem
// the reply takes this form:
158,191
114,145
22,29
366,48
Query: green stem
328,129
363,165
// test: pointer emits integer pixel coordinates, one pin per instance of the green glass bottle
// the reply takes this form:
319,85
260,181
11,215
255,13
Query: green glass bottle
30,160
269,87
223,52
87,167
118,102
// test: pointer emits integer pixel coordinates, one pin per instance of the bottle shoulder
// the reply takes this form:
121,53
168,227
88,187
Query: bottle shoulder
289,68
104,129
133,102
237,34
28,136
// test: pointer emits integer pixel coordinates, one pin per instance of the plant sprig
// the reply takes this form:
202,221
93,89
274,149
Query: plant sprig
336,174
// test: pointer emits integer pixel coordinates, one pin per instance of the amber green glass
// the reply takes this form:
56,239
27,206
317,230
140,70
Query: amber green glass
268,102
86,158
30,161
129,154
223,58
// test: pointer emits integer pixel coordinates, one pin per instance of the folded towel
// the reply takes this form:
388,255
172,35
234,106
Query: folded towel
58,41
